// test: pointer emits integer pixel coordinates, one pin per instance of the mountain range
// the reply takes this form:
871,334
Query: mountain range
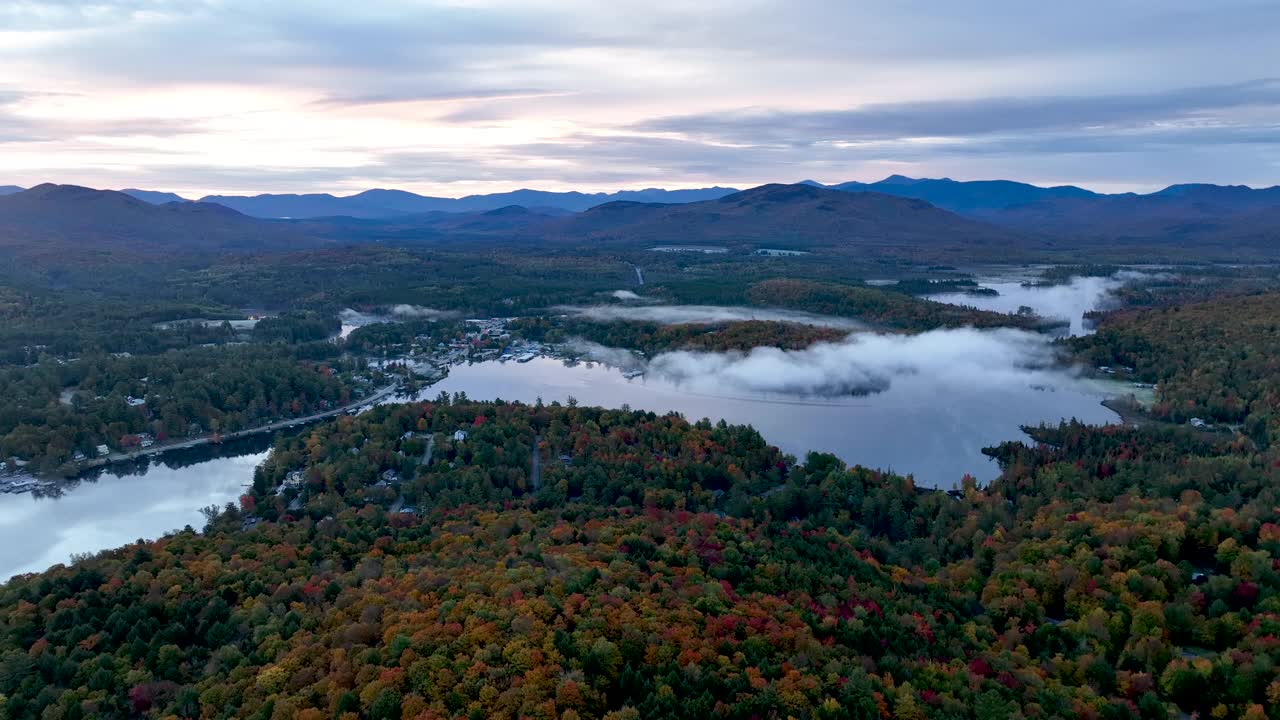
393,203
994,219
1186,211
60,224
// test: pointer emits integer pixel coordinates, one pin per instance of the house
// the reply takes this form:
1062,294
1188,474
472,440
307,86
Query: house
460,435
79,456
390,476
103,450
292,481
135,402
1198,423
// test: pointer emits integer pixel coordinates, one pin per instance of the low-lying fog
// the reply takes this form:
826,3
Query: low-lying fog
1068,302
351,319
860,364
703,314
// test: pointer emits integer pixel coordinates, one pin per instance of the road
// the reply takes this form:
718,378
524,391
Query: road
639,274
377,397
431,446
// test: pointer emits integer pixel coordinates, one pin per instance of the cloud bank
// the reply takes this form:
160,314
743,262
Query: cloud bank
1067,302
868,363
704,315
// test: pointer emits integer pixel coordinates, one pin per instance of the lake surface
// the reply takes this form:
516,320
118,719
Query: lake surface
108,511
910,428
927,423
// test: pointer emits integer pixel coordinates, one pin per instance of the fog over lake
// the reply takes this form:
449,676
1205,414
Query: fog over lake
1068,302
704,314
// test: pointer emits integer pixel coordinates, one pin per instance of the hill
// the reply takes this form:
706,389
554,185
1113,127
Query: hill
1200,217
10,189
153,197
965,197
1190,215
66,225
794,217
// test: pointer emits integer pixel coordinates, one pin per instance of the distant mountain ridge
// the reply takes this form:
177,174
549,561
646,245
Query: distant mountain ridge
965,197
796,216
61,224
154,197
380,203
1187,213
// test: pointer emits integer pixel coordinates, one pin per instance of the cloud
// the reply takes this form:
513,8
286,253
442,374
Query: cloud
615,357
1064,301
959,118
704,315
626,295
451,97
868,363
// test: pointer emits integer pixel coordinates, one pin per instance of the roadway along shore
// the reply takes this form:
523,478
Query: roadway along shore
116,457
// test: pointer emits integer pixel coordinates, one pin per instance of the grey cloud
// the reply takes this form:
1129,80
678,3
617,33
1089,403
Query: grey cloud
958,118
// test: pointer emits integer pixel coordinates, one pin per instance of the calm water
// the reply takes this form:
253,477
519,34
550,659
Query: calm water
110,511
915,427
923,424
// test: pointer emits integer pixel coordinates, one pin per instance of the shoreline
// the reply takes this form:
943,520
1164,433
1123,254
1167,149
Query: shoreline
208,439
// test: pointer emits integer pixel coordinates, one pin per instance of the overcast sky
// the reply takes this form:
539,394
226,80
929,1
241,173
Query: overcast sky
462,96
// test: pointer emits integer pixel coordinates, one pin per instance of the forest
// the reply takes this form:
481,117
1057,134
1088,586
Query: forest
1218,360
50,411
460,559
412,563
650,337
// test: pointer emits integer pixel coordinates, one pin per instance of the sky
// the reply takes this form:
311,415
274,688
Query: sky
454,97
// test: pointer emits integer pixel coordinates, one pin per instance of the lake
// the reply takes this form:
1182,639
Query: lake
910,428
932,421
108,511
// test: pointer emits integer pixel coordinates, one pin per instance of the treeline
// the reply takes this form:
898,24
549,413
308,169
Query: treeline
655,337
1217,360
53,410
873,305
36,324
399,336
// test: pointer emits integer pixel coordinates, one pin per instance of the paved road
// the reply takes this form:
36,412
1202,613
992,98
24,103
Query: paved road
269,427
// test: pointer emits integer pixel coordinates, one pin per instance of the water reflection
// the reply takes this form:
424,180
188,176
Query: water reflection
929,426
111,510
